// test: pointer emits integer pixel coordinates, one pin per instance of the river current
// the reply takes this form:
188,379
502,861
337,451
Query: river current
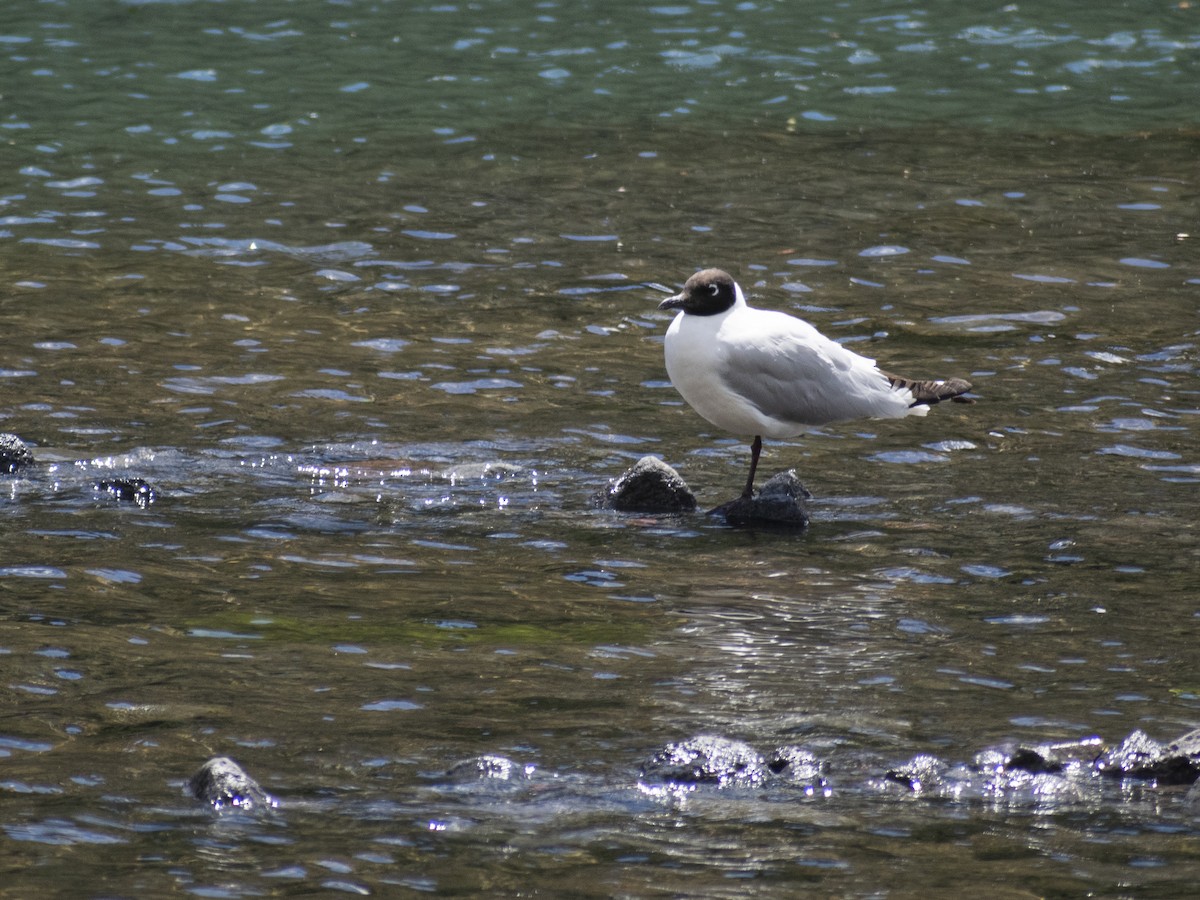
363,290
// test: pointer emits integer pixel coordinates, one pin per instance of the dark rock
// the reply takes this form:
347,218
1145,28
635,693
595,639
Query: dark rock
14,454
129,490
222,784
707,759
923,772
1140,756
1039,759
488,767
780,502
1029,760
649,486
801,767
1032,760
1019,773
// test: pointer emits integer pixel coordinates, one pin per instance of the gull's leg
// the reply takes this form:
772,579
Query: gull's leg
755,450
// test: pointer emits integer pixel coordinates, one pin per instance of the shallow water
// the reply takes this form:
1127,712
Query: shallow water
360,291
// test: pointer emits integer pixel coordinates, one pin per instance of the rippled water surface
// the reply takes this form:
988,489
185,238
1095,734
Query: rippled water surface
360,288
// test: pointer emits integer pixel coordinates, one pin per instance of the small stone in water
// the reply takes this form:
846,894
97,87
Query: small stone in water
780,502
14,454
489,766
129,490
222,783
649,486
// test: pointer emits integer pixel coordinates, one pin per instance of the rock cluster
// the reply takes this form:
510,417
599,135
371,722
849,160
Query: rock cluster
16,456
724,762
652,487
1037,773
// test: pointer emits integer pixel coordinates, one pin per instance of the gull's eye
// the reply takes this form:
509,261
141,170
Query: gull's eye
713,289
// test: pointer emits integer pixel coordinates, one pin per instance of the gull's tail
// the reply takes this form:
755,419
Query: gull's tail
927,393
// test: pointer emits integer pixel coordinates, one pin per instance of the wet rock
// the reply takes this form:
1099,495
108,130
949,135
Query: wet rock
922,773
223,784
14,454
1140,756
488,767
1040,759
1134,755
780,502
707,759
1188,745
128,490
1021,774
649,486
801,767
1020,759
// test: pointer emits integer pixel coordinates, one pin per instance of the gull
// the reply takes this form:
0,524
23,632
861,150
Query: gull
765,373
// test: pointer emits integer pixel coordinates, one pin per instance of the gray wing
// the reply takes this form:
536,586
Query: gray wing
802,377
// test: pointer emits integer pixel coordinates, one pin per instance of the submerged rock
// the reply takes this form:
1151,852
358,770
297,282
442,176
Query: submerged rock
649,486
128,490
780,502
222,783
479,471
14,454
489,767
1192,797
707,759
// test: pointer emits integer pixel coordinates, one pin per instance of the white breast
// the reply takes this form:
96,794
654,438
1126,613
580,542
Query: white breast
758,372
